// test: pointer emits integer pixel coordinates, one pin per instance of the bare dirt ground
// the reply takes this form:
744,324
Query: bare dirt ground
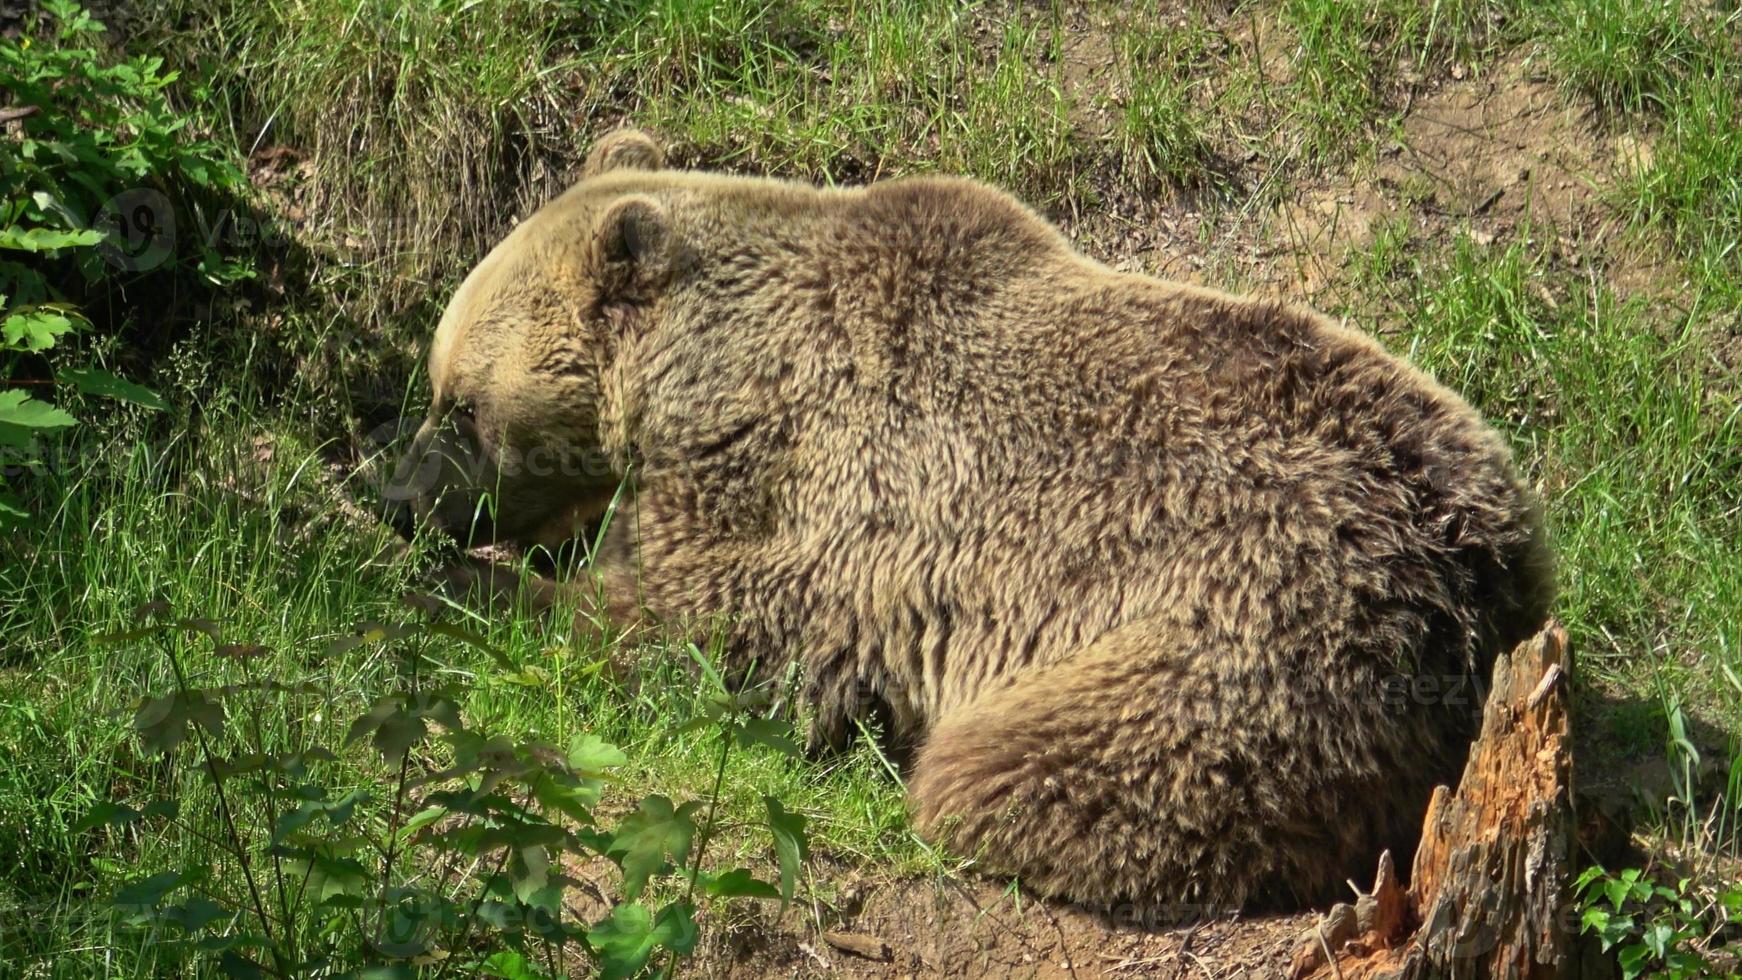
976,929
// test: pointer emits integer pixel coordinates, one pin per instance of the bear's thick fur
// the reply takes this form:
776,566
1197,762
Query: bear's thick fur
1186,599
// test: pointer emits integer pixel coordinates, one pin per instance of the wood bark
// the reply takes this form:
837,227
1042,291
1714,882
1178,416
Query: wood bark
1490,892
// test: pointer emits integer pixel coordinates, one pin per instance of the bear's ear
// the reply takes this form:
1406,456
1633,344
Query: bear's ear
633,247
625,149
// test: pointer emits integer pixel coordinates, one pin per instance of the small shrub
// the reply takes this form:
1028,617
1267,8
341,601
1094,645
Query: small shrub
416,839
1657,929
86,201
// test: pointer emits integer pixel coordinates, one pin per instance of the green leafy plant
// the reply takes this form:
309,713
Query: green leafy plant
421,841
1655,929
94,164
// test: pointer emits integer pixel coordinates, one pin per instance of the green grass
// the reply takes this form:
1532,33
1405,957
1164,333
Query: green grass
1617,414
1162,123
1351,60
1692,188
1624,55
268,549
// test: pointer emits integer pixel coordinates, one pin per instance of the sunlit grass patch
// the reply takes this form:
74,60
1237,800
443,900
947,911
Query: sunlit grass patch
1624,55
1616,414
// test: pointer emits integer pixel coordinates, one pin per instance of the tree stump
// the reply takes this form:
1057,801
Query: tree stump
1490,892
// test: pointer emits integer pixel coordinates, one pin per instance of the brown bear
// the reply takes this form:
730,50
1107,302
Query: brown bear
1186,599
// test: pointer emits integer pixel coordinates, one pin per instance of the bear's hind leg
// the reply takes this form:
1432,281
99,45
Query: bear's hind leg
1148,775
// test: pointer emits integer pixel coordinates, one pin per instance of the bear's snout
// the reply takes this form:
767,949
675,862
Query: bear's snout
439,483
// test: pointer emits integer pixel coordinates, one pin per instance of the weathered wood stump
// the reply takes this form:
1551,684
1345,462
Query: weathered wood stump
1491,885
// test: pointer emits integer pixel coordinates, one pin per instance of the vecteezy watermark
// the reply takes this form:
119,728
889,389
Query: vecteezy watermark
139,227
140,230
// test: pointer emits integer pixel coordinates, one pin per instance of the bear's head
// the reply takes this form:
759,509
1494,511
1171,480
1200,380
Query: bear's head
511,448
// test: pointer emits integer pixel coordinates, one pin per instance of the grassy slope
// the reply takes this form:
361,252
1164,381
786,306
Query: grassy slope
430,132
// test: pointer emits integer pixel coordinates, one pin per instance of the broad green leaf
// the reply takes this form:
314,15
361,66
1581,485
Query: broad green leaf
22,415
675,928
34,330
623,942
790,846
1617,890
591,754
132,635
194,914
336,811
738,883
162,722
168,809
423,818
529,870
93,381
147,892
573,801
46,239
647,836
329,874
395,726
398,733
238,967
764,731
105,813
510,965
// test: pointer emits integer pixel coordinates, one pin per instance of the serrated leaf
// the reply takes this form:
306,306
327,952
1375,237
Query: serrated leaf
647,836
591,754
21,416
147,892
104,814
93,381
238,967
162,722
738,883
46,239
623,941
765,731
194,914
675,928
34,330
1617,890
790,846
